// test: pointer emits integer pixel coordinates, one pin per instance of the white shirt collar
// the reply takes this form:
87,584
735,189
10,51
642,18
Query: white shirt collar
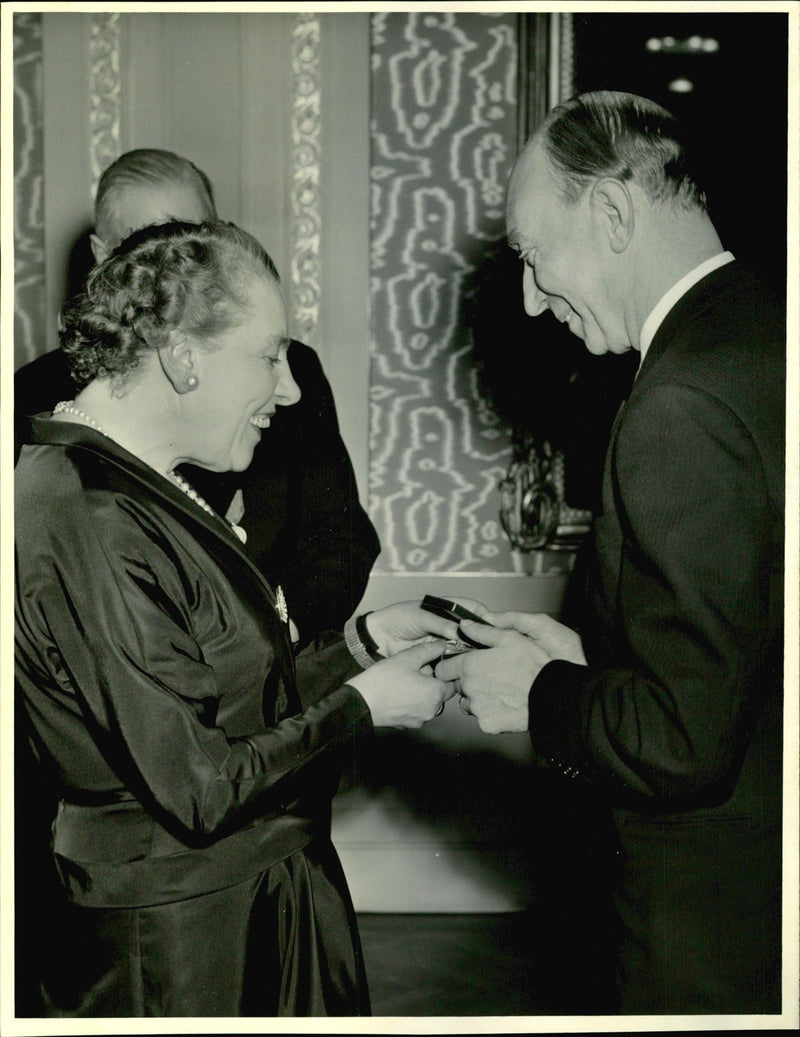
669,298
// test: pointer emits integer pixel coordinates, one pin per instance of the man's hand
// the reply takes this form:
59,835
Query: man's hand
496,681
396,627
401,692
559,641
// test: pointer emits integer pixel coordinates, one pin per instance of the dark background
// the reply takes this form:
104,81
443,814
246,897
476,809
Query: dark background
735,115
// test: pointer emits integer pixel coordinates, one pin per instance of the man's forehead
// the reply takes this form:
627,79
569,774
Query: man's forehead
532,185
142,205
532,170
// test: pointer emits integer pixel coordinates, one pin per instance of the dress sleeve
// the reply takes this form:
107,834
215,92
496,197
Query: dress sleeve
324,665
117,611
670,714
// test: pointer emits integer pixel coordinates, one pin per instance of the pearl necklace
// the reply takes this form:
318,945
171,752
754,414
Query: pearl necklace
192,494
65,407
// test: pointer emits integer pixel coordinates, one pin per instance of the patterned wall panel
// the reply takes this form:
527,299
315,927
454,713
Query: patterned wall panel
444,135
105,91
29,322
306,198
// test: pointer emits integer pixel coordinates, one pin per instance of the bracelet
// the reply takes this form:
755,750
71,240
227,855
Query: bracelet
361,645
366,638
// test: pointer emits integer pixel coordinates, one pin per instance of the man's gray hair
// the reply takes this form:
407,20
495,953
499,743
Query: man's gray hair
145,167
620,135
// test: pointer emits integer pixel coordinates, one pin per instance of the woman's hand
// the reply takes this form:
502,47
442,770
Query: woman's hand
398,693
396,627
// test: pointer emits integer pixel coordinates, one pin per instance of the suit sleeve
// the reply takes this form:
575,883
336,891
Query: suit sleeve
668,716
135,686
336,544
38,387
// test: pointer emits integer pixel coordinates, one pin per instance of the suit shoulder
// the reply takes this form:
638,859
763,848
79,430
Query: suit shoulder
306,365
727,336
745,311
40,384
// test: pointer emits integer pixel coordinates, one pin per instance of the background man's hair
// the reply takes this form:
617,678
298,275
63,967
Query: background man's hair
606,133
145,167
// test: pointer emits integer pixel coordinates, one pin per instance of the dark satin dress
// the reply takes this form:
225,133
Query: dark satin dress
193,758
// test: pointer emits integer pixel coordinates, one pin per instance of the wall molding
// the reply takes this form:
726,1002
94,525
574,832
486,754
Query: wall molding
104,93
305,189
563,56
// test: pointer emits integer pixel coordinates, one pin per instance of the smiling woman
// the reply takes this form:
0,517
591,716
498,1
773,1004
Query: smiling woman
189,756
186,326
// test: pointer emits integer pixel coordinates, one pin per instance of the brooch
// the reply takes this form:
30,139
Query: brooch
280,605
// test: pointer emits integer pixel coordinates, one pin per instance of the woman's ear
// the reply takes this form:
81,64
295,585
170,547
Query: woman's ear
100,250
177,362
613,206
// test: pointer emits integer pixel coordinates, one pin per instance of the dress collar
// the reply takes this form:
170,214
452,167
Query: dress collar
47,430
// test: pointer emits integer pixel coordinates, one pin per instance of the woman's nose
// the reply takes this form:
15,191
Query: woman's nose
534,299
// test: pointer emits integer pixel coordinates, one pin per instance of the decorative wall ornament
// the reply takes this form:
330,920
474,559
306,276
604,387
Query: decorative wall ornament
535,513
104,93
29,307
444,135
306,198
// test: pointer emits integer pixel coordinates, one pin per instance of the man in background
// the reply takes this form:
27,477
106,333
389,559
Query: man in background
666,705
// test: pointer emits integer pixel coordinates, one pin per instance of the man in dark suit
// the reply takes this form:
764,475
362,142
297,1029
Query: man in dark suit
666,706
298,500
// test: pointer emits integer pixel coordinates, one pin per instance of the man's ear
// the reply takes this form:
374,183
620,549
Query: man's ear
612,204
100,250
177,362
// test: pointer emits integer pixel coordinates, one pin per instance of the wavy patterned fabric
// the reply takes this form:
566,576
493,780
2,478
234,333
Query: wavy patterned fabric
444,136
29,307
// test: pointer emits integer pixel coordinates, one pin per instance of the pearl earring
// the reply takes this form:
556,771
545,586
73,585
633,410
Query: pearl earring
191,382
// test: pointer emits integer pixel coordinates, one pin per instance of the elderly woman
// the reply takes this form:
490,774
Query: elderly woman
193,756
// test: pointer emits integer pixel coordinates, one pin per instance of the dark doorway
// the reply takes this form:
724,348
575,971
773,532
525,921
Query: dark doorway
725,78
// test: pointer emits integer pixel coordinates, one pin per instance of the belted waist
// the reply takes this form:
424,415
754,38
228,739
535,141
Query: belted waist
118,855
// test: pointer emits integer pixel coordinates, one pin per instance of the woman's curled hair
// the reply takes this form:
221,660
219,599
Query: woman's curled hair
192,276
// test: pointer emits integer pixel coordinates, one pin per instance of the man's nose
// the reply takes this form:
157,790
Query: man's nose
288,391
534,299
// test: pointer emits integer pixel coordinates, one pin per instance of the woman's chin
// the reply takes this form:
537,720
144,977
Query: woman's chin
242,454
242,459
